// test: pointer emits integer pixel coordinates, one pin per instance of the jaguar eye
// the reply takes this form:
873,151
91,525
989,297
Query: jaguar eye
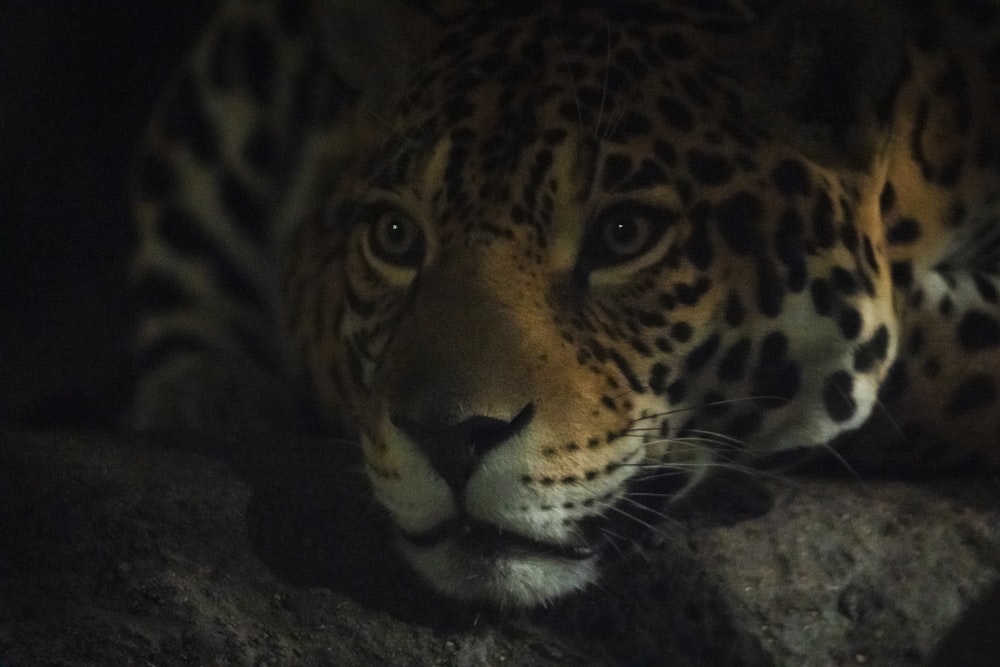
625,237
396,238
622,233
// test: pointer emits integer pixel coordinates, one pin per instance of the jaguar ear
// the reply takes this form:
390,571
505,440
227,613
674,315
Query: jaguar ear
377,43
823,74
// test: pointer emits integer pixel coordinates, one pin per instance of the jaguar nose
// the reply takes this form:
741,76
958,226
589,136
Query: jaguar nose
454,446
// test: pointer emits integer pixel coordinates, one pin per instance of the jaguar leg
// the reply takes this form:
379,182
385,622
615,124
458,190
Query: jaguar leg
940,404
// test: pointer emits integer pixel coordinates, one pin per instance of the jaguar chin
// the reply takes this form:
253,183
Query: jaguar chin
479,563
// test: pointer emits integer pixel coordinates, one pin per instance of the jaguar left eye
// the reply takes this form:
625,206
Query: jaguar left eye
622,233
396,238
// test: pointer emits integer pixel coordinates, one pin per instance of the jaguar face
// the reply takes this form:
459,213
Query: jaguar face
504,411
560,280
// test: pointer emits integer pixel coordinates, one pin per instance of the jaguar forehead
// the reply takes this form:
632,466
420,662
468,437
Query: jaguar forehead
485,157
466,192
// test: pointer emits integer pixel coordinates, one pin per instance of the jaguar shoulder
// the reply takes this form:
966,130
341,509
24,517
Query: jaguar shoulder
546,254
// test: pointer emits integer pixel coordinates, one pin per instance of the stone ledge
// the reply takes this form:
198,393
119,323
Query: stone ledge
127,551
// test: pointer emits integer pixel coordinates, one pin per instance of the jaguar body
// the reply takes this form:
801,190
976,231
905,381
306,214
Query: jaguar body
543,256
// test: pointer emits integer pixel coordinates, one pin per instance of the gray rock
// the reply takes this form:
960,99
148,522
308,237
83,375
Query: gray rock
117,553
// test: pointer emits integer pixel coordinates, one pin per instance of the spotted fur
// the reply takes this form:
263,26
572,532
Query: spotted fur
545,256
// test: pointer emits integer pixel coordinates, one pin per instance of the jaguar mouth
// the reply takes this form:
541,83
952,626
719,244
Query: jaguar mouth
476,537
472,560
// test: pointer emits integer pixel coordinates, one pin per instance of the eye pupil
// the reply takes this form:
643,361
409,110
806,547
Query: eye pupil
623,232
395,236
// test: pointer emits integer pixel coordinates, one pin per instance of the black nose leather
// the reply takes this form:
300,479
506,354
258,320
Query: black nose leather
455,447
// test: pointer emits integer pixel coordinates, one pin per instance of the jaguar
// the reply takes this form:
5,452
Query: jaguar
552,259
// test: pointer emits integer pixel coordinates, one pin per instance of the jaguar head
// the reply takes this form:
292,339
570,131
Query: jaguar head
558,281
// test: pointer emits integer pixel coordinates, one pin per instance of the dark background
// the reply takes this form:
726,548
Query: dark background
77,82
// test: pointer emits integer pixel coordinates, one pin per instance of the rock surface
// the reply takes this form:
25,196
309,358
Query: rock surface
118,552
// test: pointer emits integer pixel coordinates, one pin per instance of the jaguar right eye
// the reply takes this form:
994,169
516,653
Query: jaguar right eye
622,233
